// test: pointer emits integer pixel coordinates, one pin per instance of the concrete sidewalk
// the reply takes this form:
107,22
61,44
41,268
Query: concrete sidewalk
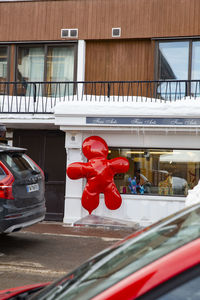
91,225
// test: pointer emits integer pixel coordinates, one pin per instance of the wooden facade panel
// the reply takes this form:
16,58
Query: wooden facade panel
119,60
43,20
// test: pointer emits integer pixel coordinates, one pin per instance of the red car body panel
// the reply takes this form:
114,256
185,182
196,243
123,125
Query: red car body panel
142,280
154,274
7,294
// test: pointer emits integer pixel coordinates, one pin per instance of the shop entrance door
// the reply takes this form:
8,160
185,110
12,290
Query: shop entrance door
47,149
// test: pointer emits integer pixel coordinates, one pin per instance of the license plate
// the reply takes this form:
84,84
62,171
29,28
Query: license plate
32,187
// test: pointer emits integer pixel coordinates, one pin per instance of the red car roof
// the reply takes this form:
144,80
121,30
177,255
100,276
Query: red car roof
154,274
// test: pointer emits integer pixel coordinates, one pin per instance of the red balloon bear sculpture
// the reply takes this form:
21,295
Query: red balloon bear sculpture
99,172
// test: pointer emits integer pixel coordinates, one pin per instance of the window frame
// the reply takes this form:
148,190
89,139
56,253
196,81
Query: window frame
46,45
190,53
8,51
188,83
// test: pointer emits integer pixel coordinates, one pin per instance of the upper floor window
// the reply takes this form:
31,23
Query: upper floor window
46,63
3,63
173,60
195,67
4,76
178,60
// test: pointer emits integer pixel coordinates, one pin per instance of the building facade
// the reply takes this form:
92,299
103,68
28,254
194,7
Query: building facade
44,44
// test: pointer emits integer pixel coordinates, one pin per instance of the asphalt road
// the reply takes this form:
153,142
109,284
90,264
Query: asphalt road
33,256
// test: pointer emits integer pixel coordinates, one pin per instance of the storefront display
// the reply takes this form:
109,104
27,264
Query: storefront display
164,172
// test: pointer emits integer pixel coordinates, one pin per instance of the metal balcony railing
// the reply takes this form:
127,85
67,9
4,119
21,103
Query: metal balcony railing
42,97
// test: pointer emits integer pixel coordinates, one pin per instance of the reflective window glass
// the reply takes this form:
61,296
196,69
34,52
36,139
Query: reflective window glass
158,171
30,67
45,63
173,65
3,69
60,67
30,64
195,74
3,64
174,58
190,290
20,164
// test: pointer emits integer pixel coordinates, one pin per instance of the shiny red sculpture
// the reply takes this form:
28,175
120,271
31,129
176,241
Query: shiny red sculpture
99,172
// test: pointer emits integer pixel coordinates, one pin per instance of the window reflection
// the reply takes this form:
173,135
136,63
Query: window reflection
34,65
3,69
189,290
195,73
30,68
60,67
173,65
174,58
158,171
3,63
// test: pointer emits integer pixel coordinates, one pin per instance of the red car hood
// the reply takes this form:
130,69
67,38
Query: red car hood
7,294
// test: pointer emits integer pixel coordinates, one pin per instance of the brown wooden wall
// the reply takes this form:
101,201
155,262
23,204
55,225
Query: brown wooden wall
43,20
119,60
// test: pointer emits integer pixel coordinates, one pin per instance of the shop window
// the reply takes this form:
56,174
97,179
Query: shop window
158,171
45,63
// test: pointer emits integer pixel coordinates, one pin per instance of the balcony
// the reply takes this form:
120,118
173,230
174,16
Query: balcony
42,97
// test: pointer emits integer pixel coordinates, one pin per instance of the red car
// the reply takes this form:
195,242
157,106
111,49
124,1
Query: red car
160,262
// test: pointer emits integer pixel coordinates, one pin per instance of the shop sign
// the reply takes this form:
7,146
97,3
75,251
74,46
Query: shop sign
144,121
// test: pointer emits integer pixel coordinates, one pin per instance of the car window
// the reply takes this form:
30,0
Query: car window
18,163
184,286
105,270
2,174
188,291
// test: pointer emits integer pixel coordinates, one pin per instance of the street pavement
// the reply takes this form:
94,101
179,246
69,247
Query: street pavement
48,250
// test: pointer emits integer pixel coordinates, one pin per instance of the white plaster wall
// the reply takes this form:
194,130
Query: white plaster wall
143,138
142,209
81,61
73,188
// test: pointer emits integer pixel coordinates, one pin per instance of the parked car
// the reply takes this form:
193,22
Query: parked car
167,184
22,201
159,262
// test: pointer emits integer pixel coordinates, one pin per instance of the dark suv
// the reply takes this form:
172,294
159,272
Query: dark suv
22,200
